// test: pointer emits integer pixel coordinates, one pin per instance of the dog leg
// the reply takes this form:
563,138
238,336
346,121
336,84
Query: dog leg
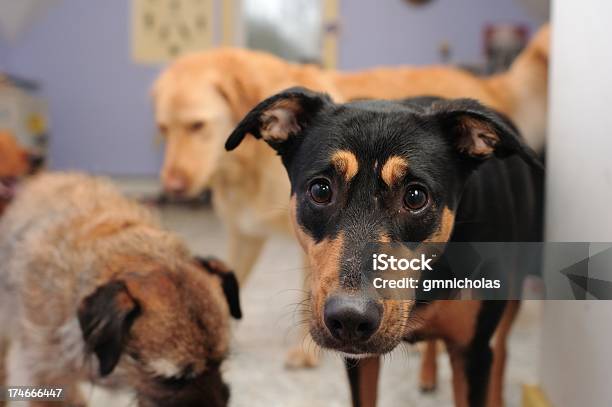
429,367
305,353
495,397
244,250
363,379
471,370
471,363
460,382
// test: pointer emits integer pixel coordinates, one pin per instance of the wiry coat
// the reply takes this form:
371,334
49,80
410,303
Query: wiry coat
67,235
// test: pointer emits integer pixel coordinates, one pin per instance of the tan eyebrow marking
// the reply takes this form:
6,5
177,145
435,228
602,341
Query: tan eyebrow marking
445,228
394,169
345,163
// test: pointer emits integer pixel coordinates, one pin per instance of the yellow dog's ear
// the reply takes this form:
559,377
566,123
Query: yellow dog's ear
241,94
280,117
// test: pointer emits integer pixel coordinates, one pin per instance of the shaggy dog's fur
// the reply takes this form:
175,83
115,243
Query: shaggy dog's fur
91,285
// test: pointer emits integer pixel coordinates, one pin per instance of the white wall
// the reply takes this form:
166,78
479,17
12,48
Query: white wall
576,358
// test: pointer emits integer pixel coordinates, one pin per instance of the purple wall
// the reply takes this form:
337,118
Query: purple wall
393,32
3,56
101,117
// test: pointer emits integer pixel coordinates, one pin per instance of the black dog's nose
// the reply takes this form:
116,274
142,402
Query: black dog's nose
351,318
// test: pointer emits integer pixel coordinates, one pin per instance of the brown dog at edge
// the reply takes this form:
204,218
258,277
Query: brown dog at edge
91,288
15,163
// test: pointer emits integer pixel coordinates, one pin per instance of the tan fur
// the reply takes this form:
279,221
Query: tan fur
65,236
496,383
453,322
369,372
280,120
520,93
324,261
477,138
345,163
393,170
429,368
445,228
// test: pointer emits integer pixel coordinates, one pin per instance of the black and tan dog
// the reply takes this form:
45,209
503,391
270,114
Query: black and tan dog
421,170
92,288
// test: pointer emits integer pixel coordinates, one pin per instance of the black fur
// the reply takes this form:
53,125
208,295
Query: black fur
105,324
479,356
229,283
207,389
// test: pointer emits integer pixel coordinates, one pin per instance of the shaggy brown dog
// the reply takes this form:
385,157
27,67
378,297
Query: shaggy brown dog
90,285
200,98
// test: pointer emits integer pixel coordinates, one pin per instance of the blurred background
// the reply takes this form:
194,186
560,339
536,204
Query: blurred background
75,79
82,58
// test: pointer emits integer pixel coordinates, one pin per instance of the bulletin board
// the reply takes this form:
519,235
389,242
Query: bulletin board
165,29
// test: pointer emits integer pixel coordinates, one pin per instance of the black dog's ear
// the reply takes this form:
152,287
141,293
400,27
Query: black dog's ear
479,132
229,282
279,117
106,317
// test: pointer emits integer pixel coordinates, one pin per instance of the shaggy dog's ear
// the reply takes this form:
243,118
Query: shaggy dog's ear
229,282
106,317
280,118
478,133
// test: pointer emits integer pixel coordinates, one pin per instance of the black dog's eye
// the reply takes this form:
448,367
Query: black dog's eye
320,191
415,198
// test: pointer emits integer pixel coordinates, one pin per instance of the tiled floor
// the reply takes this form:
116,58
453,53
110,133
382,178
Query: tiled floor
255,369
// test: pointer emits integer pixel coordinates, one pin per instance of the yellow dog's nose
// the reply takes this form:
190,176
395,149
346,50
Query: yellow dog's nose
175,183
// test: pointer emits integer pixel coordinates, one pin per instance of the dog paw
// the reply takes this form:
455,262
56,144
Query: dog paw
427,388
427,381
302,357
